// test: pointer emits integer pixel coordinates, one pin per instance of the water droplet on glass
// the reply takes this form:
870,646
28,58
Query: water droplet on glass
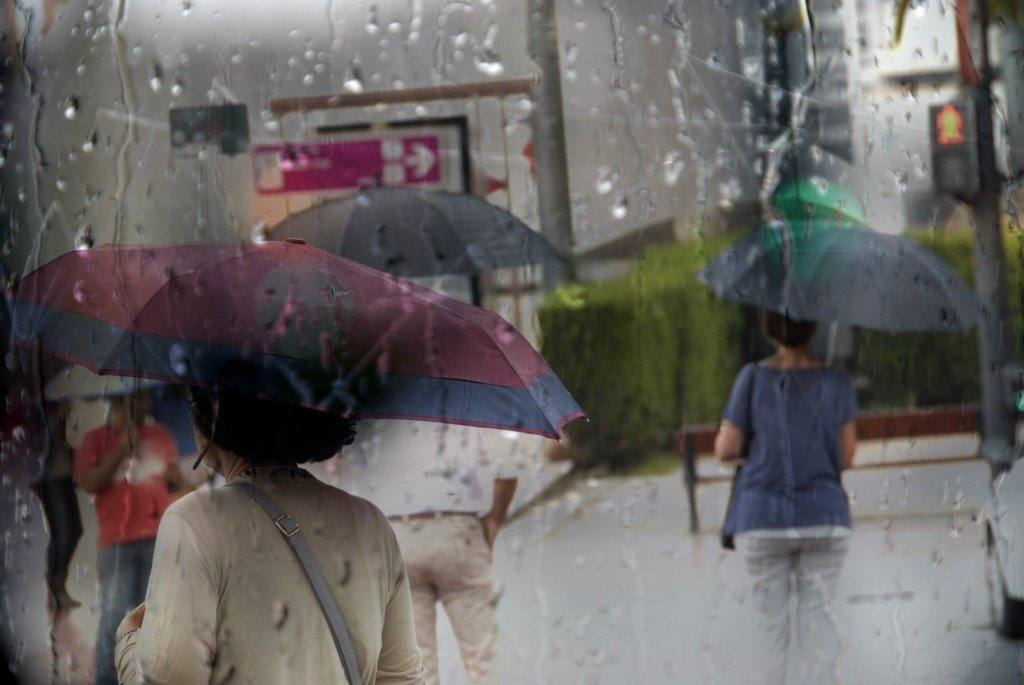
899,179
672,168
83,238
308,79
605,181
506,334
489,63
353,82
186,8
70,108
178,359
372,25
61,184
78,291
820,184
620,208
177,87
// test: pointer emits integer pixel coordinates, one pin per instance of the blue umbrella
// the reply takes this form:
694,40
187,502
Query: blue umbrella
416,233
821,271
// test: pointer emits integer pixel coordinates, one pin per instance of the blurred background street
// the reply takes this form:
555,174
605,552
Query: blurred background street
624,191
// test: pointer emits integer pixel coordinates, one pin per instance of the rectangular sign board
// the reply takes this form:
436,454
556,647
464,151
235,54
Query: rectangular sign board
222,128
390,158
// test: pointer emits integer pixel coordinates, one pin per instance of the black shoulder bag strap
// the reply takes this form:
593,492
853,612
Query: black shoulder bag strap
289,528
728,540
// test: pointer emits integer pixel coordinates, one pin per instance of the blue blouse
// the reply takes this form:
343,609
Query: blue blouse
791,419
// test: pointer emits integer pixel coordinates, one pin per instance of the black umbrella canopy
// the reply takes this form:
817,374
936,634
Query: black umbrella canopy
416,233
821,271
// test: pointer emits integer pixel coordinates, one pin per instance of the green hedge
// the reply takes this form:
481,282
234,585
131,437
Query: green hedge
624,347
644,352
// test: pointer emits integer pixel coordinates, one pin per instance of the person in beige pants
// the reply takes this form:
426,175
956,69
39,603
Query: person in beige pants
432,481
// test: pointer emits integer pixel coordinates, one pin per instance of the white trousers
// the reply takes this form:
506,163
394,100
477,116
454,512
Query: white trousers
803,571
448,561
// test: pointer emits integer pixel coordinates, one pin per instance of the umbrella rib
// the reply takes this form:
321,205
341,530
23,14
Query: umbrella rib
449,226
443,301
142,310
424,295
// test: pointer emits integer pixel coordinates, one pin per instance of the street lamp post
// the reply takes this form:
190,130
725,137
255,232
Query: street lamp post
552,167
998,417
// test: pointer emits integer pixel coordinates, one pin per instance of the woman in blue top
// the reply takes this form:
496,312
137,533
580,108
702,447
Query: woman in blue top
792,420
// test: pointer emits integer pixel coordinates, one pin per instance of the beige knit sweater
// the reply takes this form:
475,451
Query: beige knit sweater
228,601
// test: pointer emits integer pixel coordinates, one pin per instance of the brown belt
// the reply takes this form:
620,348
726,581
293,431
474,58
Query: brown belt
420,515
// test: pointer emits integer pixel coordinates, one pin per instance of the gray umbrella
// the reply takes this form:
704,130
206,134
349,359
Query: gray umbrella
415,233
823,272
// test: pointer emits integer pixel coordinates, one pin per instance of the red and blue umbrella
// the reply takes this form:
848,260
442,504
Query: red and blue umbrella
324,324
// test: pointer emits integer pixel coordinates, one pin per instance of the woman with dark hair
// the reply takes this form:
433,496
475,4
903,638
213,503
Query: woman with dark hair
228,598
792,420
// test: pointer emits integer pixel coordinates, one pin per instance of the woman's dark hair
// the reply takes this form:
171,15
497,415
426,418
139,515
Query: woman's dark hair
262,431
786,331
267,432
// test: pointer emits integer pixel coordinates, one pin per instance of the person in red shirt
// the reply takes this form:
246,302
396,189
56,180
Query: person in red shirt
130,467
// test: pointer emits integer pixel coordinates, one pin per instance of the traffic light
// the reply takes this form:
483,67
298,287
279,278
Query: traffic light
954,141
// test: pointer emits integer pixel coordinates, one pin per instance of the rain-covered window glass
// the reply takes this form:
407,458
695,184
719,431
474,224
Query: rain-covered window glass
512,341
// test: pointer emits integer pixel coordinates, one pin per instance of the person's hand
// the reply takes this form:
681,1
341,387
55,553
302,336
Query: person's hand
492,523
133,621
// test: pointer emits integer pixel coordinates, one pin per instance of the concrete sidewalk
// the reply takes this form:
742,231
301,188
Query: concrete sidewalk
603,585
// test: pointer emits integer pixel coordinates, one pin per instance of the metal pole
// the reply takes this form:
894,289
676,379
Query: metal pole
690,478
549,140
998,418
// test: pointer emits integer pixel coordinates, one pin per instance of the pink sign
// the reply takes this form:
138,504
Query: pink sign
390,160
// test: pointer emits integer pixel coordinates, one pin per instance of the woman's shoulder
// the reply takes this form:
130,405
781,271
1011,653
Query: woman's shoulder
205,510
196,506
837,373
360,507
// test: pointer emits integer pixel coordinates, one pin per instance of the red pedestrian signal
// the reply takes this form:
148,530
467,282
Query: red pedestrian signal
949,125
954,143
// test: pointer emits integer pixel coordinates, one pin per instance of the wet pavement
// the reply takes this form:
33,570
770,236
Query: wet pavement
603,585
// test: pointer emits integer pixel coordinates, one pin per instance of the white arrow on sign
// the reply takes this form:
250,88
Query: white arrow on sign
422,159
